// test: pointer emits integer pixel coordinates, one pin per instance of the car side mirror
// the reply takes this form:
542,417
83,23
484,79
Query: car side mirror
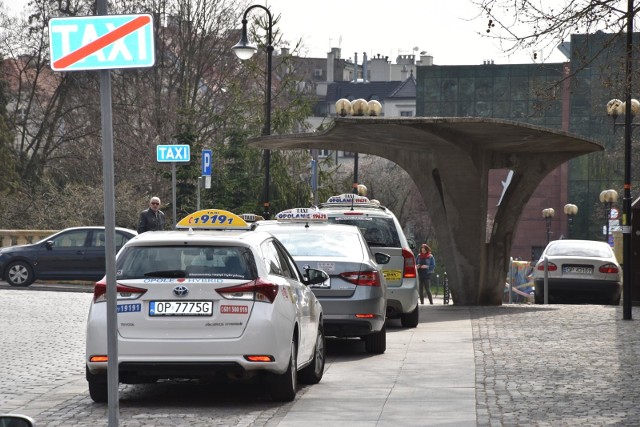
48,244
315,277
14,420
382,258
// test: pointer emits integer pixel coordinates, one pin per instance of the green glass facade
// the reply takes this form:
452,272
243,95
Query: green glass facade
536,94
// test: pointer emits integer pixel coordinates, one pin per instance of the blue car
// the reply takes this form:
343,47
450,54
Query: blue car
76,253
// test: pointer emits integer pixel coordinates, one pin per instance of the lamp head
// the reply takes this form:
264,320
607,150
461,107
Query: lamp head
570,209
609,196
615,108
243,49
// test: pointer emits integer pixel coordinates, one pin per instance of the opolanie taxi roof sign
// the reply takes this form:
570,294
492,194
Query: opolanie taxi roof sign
101,42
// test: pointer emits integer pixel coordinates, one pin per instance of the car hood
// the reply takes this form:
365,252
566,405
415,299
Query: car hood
19,248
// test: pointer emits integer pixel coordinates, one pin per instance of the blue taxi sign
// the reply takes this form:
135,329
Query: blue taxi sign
301,214
173,153
101,42
213,219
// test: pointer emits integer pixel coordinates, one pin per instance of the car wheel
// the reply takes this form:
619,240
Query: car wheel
285,386
313,373
410,320
376,343
98,388
20,273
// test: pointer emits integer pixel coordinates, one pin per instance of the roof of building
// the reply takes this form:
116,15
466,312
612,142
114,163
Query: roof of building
407,89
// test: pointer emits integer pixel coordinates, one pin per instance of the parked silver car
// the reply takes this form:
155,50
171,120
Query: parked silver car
383,233
354,298
579,271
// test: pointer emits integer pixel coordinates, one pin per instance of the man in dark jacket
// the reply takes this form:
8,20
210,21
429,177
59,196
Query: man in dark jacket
151,219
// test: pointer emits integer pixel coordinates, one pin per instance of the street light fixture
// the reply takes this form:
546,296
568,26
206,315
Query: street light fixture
548,214
608,197
244,50
571,211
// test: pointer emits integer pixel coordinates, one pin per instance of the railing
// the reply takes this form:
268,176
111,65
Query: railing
23,237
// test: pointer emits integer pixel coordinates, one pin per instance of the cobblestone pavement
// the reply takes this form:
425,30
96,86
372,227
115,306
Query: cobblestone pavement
535,366
556,366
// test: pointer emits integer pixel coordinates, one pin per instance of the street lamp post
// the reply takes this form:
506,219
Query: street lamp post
548,214
571,211
244,50
608,197
614,109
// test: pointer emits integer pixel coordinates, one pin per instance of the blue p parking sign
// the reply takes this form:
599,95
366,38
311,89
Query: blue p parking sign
206,162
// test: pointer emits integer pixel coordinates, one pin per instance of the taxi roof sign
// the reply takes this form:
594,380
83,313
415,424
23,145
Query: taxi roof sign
249,217
302,214
213,219
348,198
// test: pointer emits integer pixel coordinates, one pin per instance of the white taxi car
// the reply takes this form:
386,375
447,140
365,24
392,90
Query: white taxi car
197,302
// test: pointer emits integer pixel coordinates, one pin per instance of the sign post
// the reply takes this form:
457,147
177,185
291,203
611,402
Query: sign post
101,43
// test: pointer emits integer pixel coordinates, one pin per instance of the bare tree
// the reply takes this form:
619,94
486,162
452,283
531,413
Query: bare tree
539,26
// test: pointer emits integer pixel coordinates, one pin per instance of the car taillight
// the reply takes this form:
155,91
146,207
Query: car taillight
608,269
353,213
550,266
362,278
124,292
409,264
258,290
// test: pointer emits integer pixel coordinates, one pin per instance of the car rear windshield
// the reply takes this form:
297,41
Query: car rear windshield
378,231
598,251
191,261
320,242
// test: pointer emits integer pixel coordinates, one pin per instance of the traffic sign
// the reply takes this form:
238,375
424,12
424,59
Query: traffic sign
101,42
206,162
173,153
614,214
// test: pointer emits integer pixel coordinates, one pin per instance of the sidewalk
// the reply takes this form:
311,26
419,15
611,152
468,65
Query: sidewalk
428,382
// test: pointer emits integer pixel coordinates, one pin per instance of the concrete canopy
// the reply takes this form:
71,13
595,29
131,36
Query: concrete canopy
449,160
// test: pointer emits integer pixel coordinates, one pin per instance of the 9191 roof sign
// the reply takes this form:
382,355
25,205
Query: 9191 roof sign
101,42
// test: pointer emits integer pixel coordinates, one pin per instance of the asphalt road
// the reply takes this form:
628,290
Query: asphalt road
513,365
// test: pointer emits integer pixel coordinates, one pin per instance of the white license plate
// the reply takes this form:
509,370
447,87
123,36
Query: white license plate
577,270
180,308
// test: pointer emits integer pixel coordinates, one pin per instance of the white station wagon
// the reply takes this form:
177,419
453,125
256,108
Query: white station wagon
196,303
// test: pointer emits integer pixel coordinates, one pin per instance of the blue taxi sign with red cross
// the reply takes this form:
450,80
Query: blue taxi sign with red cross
101,42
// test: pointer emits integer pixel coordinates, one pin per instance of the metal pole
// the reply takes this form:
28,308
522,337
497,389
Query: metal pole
355,173
110,233
546,280
548,229
173,187
510,279
607,213
267,112
626,213
199,183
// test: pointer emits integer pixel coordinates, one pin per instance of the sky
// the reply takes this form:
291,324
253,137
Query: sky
448,30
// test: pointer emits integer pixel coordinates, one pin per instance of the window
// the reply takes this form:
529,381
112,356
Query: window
317,72
272,258
406,113
71,239
324,153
